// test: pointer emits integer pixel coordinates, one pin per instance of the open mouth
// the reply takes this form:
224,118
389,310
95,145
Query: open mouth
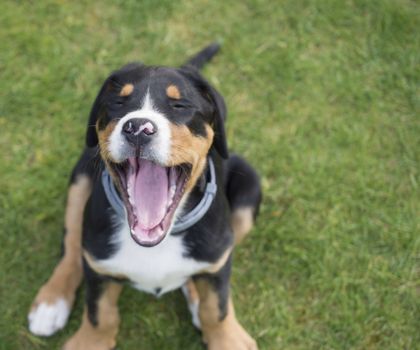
151,194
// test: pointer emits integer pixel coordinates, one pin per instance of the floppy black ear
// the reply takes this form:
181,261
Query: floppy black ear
91,135
219,108
219,142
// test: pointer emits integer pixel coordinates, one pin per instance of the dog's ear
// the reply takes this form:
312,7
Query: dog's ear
219,142
91,135
218,108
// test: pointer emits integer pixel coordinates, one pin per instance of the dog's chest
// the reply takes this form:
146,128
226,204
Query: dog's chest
157,269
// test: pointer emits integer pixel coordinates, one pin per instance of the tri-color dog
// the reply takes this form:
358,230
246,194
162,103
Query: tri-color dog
156,202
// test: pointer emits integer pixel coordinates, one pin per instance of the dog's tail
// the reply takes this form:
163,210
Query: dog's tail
205,55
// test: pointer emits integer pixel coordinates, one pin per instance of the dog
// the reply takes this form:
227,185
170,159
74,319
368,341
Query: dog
156,202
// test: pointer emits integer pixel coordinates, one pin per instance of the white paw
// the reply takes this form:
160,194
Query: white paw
193,307
46,319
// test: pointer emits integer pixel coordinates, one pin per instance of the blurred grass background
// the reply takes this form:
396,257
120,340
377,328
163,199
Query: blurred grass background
323,99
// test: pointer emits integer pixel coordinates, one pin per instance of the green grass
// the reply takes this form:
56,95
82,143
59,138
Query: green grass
324,101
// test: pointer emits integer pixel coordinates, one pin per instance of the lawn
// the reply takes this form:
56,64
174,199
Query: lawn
323,99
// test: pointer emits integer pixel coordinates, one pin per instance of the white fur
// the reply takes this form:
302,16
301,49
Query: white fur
46,319
193,307
159,147
163,266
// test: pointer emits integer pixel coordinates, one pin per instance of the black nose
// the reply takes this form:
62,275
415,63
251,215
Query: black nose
139,131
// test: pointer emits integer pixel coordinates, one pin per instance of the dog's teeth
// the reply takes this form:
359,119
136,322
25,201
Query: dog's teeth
172,191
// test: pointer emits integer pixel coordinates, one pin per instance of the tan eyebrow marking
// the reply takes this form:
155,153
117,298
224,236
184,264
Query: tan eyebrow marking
172,91
127,90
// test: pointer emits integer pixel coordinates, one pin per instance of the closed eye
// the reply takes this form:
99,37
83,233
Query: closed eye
119,102
181,105
115,106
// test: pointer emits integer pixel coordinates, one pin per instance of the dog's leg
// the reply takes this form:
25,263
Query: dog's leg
52,305
99,327
221,330
193,300
243,190
242,221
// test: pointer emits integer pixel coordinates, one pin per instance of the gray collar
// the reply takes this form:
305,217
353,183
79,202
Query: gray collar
183,222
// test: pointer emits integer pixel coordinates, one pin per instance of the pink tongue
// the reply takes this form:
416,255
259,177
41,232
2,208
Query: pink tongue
150,194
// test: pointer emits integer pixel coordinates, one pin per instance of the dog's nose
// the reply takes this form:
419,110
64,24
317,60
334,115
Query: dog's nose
139,131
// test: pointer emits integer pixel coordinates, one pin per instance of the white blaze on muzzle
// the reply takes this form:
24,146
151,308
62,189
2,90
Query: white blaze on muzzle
158,148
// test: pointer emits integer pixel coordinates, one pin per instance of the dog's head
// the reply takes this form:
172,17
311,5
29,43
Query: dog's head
154,127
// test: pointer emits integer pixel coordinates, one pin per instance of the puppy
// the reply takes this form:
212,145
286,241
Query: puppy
155,202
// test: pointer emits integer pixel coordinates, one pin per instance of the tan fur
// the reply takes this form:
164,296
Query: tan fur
220,262
173,92
188,148
68,273
103,335
192,294
209,304
127,90
242,220
103,138
226,334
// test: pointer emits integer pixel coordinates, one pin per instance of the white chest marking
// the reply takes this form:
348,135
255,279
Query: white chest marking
157,269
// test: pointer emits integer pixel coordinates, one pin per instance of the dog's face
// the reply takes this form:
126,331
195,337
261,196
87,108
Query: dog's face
154,127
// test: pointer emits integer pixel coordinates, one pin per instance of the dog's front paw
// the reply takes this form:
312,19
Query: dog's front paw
231,336
47,318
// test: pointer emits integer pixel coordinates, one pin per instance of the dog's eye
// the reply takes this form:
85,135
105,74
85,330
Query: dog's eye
117,103
179,106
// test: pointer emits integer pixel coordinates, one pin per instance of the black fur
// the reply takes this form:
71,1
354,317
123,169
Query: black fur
218,108
94,288
207,240
98,228
242,184
88,164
